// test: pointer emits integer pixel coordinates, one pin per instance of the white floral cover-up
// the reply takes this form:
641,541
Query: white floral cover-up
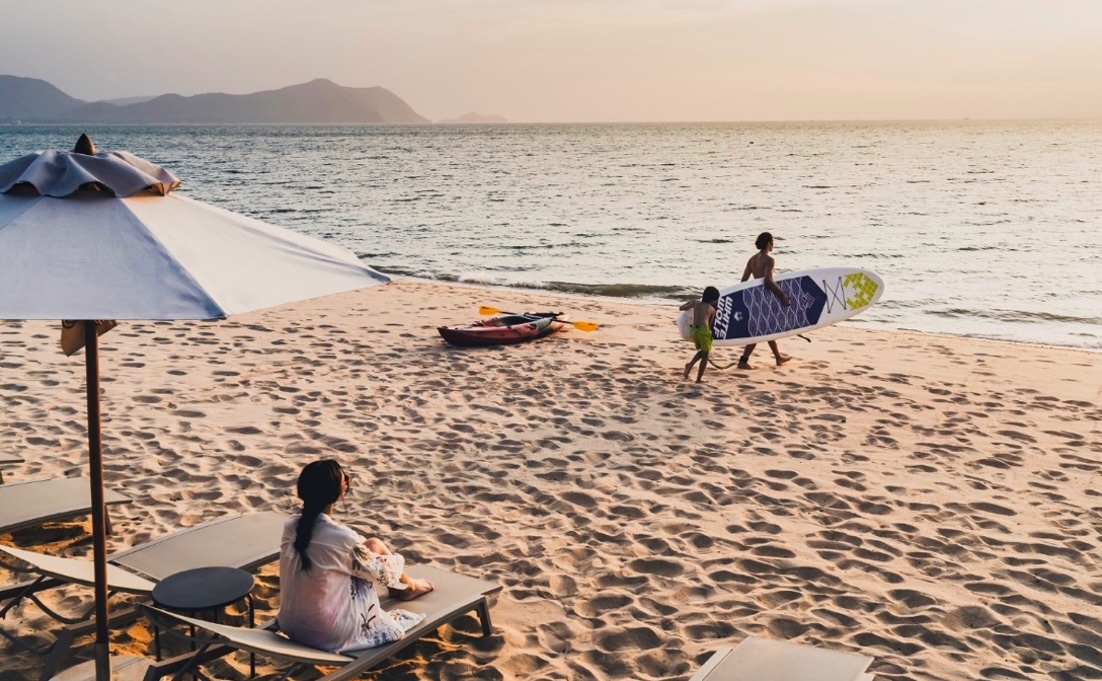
334,606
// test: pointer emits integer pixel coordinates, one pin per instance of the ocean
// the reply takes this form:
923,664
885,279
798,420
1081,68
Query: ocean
988,229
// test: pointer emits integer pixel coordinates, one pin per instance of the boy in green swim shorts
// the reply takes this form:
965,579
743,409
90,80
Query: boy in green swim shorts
703,314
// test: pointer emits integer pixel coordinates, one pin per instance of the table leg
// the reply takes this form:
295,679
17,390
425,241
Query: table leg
252,625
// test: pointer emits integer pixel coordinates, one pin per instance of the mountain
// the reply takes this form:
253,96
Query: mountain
475,118
128,100
32,99
318,102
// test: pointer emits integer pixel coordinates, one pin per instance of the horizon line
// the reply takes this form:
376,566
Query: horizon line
442,122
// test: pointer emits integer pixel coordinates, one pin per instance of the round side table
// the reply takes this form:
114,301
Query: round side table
205,589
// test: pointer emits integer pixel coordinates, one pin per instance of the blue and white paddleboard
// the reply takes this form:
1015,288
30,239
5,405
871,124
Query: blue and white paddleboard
750,313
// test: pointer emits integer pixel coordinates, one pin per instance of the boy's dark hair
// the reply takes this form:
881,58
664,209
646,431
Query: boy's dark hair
711,295
763,239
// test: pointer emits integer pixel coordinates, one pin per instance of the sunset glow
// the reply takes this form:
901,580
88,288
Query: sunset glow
569,60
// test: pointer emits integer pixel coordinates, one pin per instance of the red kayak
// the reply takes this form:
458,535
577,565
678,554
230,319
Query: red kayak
506,330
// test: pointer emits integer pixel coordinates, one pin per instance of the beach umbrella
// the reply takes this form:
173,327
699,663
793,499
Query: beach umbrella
101,236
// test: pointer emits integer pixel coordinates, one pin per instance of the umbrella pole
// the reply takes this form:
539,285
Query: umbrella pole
99,514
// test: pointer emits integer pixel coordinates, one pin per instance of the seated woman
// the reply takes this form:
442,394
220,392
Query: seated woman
328,573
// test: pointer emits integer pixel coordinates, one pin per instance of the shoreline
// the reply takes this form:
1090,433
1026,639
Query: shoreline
931,501
854,322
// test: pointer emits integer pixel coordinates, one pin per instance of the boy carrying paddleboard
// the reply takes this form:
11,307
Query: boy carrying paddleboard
703,314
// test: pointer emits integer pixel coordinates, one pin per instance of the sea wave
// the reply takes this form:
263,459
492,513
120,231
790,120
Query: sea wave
632,291
1021,316
639,291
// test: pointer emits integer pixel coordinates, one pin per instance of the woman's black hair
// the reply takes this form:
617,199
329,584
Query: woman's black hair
319,485
711,295
763,239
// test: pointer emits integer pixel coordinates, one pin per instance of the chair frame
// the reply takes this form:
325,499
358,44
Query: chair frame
214,644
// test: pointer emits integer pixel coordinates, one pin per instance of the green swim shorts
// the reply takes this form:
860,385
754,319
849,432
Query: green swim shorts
702,336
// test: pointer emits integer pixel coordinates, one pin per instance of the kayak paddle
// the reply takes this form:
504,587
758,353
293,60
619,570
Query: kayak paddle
581,326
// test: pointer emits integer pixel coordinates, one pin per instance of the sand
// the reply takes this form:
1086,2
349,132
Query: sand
930,501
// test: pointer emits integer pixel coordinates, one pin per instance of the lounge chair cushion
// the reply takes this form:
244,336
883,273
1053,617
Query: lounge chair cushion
241,541
33,502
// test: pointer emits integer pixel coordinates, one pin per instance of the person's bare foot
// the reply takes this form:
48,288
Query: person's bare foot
745,366
688,368
782,359
415,589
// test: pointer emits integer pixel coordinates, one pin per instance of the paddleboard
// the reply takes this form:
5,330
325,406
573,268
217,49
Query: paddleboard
750,313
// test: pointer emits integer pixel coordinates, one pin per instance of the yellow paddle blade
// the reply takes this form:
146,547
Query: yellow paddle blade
488,310
584,326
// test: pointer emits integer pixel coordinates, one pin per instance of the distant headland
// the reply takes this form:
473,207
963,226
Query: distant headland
319,102
474,118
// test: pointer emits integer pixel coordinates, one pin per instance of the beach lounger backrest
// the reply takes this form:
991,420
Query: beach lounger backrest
80,571
33,502
240,541
761,659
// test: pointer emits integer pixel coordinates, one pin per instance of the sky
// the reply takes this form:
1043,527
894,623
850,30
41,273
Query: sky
587,60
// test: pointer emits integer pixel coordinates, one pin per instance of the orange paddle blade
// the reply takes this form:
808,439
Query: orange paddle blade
584,326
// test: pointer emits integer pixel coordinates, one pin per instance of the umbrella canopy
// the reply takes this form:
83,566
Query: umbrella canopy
97,236
130,249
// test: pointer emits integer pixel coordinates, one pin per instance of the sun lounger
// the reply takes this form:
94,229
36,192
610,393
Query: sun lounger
241,541
33,502
7,460
761,659
455,595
